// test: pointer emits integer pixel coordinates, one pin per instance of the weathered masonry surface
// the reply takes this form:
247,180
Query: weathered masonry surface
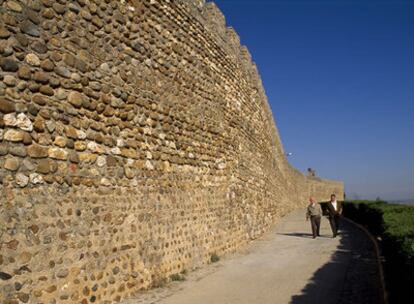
136,141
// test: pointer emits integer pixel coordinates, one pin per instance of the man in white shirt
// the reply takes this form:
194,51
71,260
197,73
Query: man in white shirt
334,212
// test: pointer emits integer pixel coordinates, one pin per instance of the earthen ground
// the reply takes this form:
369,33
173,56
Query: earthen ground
285,266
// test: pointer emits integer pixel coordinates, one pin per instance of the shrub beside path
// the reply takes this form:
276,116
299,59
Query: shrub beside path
285,266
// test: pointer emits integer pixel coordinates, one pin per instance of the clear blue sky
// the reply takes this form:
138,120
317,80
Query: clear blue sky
339,76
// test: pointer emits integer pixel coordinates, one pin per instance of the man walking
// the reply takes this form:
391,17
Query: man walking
314,212
334,212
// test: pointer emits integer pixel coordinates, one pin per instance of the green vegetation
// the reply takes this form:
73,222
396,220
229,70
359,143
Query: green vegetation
393,225
177,277
214,258
184,271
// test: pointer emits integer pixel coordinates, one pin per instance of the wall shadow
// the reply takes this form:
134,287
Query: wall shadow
351,275
297,234
305,235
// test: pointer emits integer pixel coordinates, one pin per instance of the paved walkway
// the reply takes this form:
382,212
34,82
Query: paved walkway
285,266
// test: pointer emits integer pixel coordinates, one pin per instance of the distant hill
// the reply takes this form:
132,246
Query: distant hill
403,201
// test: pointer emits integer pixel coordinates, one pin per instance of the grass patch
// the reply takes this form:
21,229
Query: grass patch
184,271
394,225
177,277
214,258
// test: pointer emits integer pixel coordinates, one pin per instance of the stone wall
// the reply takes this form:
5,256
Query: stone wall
136,141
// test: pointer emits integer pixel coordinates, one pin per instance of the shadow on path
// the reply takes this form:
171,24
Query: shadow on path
355,261
297,234
304,235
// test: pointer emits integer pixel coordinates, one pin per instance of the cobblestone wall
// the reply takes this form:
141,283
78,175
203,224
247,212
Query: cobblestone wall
135,142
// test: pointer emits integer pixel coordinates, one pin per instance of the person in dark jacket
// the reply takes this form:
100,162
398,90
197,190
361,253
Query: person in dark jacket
334,209
314,213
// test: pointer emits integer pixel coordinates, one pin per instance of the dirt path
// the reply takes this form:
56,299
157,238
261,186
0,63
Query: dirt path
285,266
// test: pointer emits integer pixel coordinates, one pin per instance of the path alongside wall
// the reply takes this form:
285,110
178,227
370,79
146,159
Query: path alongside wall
285,266
136,140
